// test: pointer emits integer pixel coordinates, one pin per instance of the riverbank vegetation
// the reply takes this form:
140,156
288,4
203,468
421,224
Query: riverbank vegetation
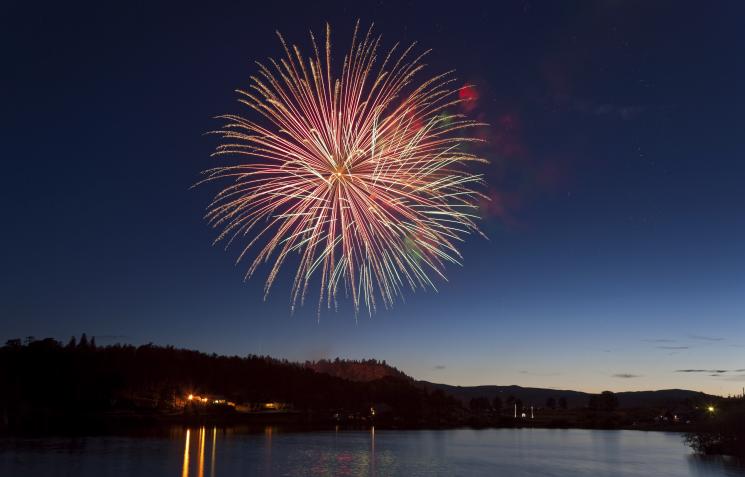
722,431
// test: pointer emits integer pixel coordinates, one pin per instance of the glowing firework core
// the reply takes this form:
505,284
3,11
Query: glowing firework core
362,176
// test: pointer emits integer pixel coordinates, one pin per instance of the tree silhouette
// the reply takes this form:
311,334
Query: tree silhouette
479,404
13,343
605,401
497,404
563,403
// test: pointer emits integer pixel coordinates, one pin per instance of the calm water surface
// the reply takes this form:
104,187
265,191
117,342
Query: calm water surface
209,452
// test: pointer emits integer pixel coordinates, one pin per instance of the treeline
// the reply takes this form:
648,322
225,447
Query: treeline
599,411
45,379
497,405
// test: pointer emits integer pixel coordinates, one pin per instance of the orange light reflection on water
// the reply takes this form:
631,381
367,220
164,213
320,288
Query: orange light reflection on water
214,447
268,432
201,452
201,443
185,466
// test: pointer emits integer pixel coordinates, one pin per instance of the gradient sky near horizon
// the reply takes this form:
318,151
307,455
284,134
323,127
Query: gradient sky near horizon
616,229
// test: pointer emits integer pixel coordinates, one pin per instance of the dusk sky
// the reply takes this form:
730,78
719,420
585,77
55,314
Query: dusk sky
614,257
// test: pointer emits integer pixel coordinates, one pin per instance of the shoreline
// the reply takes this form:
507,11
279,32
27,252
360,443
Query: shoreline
112,423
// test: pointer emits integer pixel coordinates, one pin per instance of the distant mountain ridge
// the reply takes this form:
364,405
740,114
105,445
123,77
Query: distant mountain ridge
371,370
539,396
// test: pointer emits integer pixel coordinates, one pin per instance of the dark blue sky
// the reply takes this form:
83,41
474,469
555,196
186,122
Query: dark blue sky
616,230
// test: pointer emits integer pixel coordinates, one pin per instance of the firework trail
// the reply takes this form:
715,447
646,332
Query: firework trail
362,176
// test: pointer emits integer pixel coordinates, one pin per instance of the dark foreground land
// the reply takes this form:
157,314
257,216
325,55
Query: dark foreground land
48,387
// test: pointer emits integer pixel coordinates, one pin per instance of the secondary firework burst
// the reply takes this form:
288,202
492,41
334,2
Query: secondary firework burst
359,179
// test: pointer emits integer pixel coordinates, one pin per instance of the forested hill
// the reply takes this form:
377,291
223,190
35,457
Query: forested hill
356,370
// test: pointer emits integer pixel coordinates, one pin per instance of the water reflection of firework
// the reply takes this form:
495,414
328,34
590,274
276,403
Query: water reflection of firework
362,175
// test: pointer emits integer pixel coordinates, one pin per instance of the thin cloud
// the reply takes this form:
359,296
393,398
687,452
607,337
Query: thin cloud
715,371
673,347
660,340
706,338
627,375
718,373
440,367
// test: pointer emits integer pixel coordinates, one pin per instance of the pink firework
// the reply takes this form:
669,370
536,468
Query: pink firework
362,176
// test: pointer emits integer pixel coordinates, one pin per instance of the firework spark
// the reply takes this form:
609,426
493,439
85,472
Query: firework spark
362,176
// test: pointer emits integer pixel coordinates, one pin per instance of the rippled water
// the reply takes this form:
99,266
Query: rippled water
208,452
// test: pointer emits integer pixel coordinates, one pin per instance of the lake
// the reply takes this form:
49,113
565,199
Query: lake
210,452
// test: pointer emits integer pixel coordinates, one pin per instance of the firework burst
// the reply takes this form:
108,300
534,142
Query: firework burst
362,176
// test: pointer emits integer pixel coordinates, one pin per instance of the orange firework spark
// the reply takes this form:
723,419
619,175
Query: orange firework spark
362,175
